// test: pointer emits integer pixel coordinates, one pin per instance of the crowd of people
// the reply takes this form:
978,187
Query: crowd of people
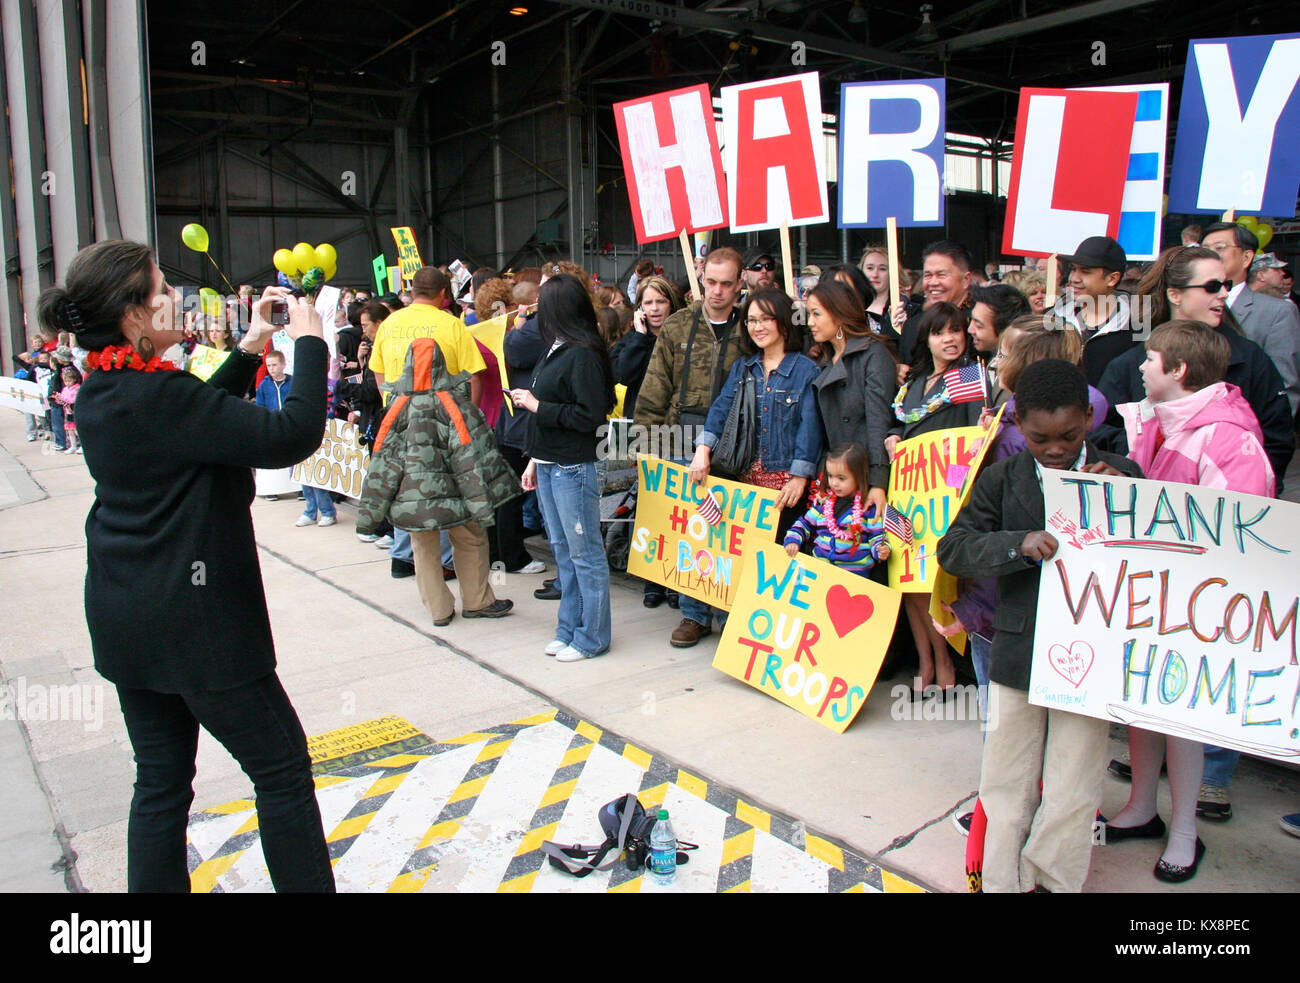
1117,367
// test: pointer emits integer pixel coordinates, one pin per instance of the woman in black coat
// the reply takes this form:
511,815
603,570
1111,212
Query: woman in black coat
174,599
857,379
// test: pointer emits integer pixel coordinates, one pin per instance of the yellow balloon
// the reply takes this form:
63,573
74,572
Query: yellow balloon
1248,222
330,269
284,262
196,237
327,255
1265,235
305,256
209,301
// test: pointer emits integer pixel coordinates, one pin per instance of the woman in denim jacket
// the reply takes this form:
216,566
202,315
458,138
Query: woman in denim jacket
790,435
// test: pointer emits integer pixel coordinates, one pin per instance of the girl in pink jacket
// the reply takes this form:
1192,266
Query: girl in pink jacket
1195,429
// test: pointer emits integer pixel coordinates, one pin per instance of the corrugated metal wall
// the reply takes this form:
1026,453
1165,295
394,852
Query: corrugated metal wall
76,139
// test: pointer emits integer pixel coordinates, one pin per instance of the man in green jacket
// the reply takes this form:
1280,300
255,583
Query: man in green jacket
688,366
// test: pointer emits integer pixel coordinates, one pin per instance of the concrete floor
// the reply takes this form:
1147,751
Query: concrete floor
355,644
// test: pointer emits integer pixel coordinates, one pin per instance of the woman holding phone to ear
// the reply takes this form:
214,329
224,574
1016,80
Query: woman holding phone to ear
174,598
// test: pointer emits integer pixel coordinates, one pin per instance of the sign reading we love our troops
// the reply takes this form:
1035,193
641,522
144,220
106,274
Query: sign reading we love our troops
1172,608
807,634
689,537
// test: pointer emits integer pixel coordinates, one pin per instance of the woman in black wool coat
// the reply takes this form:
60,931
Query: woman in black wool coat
174,598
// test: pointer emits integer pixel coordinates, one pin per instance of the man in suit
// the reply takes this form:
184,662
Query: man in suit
1271,323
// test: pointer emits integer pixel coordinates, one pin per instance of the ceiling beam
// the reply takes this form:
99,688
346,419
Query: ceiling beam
1033,25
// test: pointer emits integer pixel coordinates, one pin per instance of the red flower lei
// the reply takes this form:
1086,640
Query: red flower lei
126,357
853,530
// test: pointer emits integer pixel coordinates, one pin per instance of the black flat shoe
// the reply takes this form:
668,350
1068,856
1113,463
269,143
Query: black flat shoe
1150,830
653,600
673,599
1173,874
402,568
548,593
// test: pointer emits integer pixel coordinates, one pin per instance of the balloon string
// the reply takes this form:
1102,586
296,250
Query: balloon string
223,276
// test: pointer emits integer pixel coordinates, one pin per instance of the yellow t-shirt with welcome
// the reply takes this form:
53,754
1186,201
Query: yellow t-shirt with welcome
399,329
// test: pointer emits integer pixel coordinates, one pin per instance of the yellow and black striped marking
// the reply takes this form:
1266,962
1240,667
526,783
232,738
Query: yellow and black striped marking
403,812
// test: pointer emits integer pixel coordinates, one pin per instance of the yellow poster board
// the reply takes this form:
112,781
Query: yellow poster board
807,633
693,550
340,464
492,335
204,361
408,253
929,481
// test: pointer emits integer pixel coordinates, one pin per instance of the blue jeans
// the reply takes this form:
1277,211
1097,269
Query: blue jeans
257,724
980,650
56,426
401,548
317,499
570,500
1220,763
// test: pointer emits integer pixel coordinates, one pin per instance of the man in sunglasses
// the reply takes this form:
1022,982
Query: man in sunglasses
760,270
1271,323
1095,306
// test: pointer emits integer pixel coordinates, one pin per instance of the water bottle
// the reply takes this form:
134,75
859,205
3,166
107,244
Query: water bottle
663,851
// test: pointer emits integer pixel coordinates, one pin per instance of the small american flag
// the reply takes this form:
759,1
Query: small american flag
898,524
709,511
965,384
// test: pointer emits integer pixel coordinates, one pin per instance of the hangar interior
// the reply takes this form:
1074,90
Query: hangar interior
487,126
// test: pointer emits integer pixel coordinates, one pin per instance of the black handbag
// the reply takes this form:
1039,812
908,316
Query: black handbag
737,445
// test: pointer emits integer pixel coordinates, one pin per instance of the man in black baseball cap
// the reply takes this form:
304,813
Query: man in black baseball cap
1094,306
759,271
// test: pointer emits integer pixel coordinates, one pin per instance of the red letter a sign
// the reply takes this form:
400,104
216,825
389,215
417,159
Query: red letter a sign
672,164
1067,175
776,154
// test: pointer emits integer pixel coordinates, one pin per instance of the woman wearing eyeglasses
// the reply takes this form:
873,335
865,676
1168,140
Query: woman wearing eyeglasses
790,436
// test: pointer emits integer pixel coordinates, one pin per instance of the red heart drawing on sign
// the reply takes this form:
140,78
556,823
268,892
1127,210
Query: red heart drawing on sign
1071,664
847,610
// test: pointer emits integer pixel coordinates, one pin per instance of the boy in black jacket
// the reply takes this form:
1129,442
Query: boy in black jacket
1002,532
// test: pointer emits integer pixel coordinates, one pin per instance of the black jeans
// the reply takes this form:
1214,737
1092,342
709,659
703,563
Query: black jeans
506,537
257,724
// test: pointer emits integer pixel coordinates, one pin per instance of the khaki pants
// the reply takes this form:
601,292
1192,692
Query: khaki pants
469,550
1030,840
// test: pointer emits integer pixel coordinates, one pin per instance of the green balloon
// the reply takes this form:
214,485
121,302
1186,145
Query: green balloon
196,237
312,279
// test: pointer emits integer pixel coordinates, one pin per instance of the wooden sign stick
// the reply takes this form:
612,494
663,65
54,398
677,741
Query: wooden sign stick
787,261
1230,215
1052,278
895,289
690,264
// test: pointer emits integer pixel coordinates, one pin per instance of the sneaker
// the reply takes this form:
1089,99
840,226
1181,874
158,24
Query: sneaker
79,450
569,654
69,450
1213,804
443,622
384,542
963,822
1290,824
273,498
688,634
367,537
31,438
305,520
556,647
497,609
537,566
327,520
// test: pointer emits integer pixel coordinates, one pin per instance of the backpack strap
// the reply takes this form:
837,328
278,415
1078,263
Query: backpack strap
572,858
686,370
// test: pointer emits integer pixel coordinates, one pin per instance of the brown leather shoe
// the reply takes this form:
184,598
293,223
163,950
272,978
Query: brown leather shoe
688,633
